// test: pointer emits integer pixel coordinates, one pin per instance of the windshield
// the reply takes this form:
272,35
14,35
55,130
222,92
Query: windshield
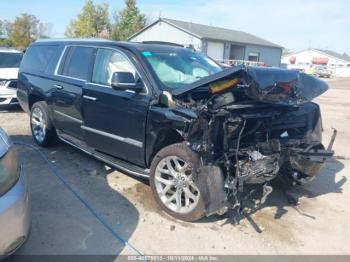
10,60
178,68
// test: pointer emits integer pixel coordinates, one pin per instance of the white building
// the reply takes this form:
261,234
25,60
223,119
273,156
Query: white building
221,44
339,64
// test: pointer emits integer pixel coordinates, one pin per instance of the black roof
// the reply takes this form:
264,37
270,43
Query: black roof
150,46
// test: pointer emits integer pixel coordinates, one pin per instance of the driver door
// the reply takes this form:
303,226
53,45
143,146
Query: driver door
115,120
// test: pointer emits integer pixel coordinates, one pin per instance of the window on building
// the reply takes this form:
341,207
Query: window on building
254,57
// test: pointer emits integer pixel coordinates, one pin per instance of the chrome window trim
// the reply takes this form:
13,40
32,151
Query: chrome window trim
69,117
88,82
90,98
132,63
61,58
115,137
127,84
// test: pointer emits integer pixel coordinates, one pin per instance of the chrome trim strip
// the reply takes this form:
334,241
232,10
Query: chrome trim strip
74,145
60,60
128,84
106,161
121,167
58,86
70,77
119,138
90,98
69,117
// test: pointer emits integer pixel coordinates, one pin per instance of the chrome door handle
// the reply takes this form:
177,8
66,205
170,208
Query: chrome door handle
90,98
58,86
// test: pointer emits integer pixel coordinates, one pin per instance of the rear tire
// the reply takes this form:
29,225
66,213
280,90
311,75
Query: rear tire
172,184
43,131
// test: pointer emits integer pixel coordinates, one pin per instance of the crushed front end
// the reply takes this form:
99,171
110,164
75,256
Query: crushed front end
250,126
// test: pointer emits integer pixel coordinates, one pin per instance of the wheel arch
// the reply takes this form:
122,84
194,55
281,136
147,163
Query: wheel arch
38,97
165,137
35,97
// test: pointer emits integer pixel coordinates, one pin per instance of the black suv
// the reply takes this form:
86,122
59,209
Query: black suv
203,135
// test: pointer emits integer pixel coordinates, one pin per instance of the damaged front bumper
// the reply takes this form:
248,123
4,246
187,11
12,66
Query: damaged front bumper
221,192
305,163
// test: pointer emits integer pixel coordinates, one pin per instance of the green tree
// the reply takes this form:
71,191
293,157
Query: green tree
128,21
24,30
93,21
6,42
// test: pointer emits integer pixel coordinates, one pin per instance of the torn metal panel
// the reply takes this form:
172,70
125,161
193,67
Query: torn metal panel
289,87
262,84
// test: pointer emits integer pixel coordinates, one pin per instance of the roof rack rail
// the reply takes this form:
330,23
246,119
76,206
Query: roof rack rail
161,43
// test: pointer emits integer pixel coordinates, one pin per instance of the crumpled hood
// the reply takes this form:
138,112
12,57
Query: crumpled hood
8,73
268,85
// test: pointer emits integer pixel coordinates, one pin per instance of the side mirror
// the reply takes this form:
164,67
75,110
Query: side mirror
125,81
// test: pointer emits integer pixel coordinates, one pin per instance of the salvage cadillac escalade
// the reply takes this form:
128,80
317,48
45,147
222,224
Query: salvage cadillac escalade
203,135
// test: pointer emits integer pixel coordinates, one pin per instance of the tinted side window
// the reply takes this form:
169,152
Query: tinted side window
77,62
10,60
38,57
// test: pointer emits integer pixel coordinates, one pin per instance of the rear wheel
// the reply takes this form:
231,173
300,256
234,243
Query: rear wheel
41,126
172,183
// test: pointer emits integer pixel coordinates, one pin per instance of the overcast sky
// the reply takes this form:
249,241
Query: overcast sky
294,24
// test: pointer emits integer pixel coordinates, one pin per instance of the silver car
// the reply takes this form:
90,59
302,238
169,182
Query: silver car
14,199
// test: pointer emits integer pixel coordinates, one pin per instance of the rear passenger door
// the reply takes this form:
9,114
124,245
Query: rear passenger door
71,75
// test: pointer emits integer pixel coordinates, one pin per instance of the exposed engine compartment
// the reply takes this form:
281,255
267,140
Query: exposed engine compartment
253,124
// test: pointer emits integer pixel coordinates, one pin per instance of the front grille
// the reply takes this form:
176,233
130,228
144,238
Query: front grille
13,84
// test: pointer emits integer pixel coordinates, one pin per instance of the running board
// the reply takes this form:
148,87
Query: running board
114,162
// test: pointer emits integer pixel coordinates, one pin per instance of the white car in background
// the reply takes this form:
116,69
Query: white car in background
9,64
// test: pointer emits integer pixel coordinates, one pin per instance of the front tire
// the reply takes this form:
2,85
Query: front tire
172,183
41,125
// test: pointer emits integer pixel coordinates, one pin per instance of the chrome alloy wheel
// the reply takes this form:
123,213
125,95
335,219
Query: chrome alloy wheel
174,185
38,124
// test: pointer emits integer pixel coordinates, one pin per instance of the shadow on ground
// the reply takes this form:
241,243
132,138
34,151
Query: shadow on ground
282,197
10,109
61,224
